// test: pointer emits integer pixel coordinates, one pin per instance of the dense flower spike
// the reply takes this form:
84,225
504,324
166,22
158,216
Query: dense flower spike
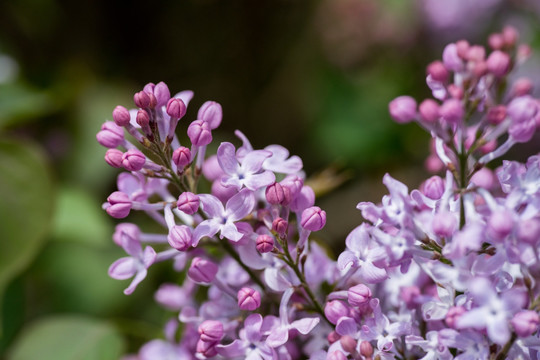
446,271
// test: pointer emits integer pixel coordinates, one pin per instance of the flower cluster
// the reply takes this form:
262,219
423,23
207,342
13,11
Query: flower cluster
446,271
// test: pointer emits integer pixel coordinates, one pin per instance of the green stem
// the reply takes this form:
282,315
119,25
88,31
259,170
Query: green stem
506,348
235,256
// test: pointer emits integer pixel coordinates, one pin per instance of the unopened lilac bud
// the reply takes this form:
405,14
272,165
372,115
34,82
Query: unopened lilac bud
207,348
332,337
334,310
523,132
522,108
523,53
337,355
277,194
211,169
409,295
476,53
462,48
402,109
437,71
162,93
133,160
480,68
496,114
525,323
126,229
366,349
498,63
452,111
142,118
212,113
141,99
294,183
483,178
358,295
348,343
500,224
265,243
248,299
188,203
199,133
221,192
429,110
522,86
496,41
453,315
433,164
433,187
110,135
180,237
202,270
510,36
121,116
455,91
113,157
280,226
451,59
181,157
529,231
444,224
211,331
119,205
313,218
176,108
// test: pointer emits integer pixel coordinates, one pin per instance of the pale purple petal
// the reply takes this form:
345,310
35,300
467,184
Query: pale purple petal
275,280
235,349
475,318
141,274
211,205
346,326
246,145
372,274
256,181
251,257
231,181
127,183
302,201
346,260
131,246
123,268
253,160
278,337
240,205
230,231
358,240
185,96
227,158
498,330
304,326
252,326
206,228
279,162
148,256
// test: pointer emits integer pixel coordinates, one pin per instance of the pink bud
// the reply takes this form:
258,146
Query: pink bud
143,118
402,109
429,110
498,63
496,114
522,86
280,226
188,203
433,164
199,133
496,41
212,113
265,243
455,91
126,229
113,157
437,71
211,331
119,205
180,237
444,224
452,111
248,299
202,270
133,160
366,349
433,187
510,36
451,58
522,132
409,295
480,68
207,348
141,99
476,53
181,157
294,183
334,310
277,194
483,178
313,218
221,192
337,355
500,224
358,295
522,108
176,108
121,116
525,323
162,93
211,169
462,48
453,315
529,230
348,343
332,337
110,135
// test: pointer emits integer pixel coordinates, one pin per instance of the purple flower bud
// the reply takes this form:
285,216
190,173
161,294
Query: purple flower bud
199,133
452,111
496,114
429,110
180,237
358,295
500,224
265,243
409,295
437,71
212,113
453,315
221,192
113,157
332,337
525,323
348,343
278,194
337,355
248,299
176,108
498,63
313,218
451,58
125,229
402,109
181,157
522,132
476,53
188,203
496,41
510,36
294,183
522,86
207,348
522,109
433,187
334,310
280,226
455,91
483,178
110,135
119,205
479,68
211,169
143,118
211,331
202,270
133,160
141,99
162,93
366,349
444,224
462,48
121,116
529,231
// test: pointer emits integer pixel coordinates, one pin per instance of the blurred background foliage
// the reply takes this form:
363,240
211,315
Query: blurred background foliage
314,76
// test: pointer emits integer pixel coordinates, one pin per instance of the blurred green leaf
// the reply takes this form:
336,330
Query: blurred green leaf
26,191
79,218
68,338
20,103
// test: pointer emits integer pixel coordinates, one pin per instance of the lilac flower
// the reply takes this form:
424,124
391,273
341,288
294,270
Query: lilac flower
432,345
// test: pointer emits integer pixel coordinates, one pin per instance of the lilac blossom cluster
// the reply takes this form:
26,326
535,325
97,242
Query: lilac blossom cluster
446,271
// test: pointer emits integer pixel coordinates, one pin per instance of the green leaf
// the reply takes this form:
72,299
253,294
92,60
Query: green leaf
68,338
26,191
19,103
